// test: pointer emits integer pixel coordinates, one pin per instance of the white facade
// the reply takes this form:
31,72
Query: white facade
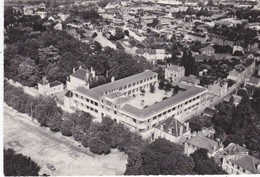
46,88
174,72
111,100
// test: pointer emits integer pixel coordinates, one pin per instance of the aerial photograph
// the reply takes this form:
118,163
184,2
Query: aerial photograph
130,87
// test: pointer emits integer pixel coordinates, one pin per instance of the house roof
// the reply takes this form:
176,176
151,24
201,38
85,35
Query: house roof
209,47
175,68
210,111
190,78
142,113
80,74
247,162
170,125
202,142
253,80
43,81
55,83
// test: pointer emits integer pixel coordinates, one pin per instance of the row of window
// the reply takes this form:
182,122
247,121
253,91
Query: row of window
233,165
191,100
86,106
87,100
197,104
137,82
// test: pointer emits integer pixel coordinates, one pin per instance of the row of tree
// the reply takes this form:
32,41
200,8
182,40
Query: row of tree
235,124
159,157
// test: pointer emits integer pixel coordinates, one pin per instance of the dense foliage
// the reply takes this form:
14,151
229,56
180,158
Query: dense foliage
235,124
205,165
25,58
161,157
19,165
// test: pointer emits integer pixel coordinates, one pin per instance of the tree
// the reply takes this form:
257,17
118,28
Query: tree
66,127
189,63
98,147
163,157
19,165
205,165
168,87
161,84
176,89
152,88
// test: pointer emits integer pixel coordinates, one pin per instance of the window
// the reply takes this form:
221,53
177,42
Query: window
164,113
81,97
115,112
154,117
91,102
129,85
96,104
125,86
96,111
244,170
120,88
141,81
173,108
134,84
151,78
159,115
169,110
76,95
134,120
88,100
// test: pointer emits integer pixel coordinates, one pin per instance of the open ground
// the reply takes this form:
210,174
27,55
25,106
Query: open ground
46,147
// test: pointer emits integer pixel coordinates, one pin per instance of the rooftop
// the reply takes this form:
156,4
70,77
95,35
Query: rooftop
170,125
80,74
202,142
247,162
55,83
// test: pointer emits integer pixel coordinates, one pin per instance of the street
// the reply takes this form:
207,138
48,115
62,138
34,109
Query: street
45,147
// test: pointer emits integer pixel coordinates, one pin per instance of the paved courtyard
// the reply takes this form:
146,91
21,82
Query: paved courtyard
46,147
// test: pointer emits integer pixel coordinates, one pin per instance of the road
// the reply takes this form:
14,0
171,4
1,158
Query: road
43,146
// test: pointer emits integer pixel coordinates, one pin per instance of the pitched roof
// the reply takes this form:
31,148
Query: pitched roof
202,142
175,67
253,80
247,162
55,83
142,113
170,124
190,78
43,81
80,74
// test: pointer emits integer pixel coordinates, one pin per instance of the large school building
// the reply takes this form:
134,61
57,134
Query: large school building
117,101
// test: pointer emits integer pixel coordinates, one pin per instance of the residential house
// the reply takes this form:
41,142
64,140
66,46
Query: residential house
231,149
218,88
190,80
152,54
208,51
80,78
192,36
172,130
49,88
58,26
209,112
200,142
241,164
174,72
252,81
220,40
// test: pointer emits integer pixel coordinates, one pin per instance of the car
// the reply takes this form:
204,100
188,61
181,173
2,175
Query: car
51,167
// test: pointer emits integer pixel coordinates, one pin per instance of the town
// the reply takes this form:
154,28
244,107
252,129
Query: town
128,87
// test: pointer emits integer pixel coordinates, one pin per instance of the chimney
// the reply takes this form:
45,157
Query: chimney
164,126
176,127
112,79
187,126
80,67
92,72
181,130
73,70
